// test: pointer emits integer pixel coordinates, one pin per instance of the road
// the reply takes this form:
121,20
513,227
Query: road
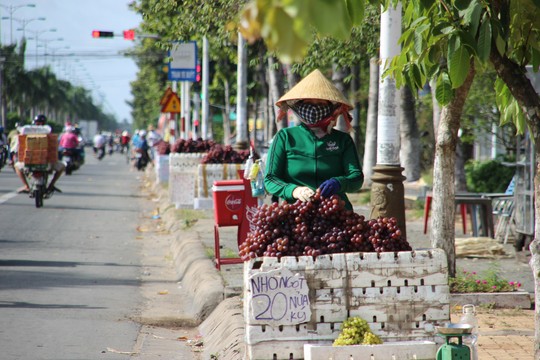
70,272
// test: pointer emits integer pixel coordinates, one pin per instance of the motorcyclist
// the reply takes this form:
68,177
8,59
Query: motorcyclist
39,127
69,140
4,147
124,141
99,145
141,147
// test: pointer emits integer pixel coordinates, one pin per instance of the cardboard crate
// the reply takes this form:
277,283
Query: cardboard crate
38,148
401,296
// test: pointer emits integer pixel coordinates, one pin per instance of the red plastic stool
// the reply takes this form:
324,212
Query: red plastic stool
427,208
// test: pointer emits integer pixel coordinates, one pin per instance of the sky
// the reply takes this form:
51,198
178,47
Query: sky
85,61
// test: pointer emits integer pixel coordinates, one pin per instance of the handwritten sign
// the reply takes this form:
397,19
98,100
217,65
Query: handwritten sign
278,297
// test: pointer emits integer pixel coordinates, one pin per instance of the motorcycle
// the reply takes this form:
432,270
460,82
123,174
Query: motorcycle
38,176
100,152
70,157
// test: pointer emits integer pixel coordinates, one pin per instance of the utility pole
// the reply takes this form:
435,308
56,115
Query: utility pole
242,142
204,123
387,191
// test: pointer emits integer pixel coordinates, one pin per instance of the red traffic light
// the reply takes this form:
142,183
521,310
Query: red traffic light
129,34
198,75
102,34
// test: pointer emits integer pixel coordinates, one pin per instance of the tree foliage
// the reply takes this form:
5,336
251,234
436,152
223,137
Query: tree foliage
28,92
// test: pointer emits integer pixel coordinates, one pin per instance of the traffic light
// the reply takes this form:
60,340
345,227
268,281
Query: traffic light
129,34
198,76
102,34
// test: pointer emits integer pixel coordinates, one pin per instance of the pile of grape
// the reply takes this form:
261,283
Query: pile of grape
317,227
163,147
192,146
225,154
356,331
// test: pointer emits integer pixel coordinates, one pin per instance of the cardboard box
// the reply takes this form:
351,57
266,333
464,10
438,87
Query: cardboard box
38,148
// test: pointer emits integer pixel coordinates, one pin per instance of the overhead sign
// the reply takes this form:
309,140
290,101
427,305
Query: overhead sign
183,63
172,105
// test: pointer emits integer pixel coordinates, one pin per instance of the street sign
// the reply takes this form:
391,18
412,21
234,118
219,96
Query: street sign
165,96
183,63
172,105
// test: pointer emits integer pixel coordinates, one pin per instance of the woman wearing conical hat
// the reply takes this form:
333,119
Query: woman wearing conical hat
313,154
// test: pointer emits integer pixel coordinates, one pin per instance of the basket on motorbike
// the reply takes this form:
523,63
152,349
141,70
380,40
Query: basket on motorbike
38,150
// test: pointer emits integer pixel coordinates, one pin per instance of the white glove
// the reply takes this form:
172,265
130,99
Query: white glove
302,193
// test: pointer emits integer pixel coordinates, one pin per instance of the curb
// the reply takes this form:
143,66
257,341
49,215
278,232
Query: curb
199,277
506,300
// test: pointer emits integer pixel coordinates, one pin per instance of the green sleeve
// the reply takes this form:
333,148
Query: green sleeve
276,163
354,178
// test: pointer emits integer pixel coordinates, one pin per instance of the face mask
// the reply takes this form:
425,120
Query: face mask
313,113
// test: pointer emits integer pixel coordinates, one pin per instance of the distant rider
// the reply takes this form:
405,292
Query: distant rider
69,141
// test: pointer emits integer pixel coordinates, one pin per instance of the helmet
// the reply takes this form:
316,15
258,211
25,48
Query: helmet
142,133
40,118
70,129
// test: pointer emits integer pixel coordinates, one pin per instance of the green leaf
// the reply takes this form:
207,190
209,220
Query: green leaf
462,4
329,18
471,16
416,76
484,39
500,43
419,42
426,4
356,11
444,92
458,65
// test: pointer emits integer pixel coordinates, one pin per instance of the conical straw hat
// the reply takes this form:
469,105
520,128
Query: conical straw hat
314,86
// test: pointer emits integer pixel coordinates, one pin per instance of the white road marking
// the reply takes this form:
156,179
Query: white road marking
7,196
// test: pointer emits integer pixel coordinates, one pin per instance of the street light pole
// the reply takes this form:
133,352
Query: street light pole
11,9
25,22
36,37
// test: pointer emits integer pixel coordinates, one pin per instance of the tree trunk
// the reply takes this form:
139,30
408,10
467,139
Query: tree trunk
529,100
410,136
338,75
292,78
355,123
460,181
275,92
443,208
370,145
436,109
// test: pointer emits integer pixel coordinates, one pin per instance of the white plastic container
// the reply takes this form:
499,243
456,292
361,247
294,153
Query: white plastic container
469,317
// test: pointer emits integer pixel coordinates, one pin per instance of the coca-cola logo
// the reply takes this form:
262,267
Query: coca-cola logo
233,202
250,213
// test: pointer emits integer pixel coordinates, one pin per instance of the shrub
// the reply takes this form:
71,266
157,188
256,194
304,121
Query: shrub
488,176
467,282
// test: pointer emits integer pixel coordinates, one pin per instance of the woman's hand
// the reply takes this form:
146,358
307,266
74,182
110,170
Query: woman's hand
303,193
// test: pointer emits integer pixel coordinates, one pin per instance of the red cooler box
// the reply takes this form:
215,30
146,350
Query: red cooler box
228,202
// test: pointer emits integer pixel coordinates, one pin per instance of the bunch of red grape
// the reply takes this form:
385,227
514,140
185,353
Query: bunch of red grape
225,154
192,146
317,227
163,147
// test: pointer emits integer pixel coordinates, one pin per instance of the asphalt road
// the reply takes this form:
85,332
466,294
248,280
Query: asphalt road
70,272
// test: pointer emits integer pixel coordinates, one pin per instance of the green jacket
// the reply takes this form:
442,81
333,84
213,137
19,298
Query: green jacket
298,158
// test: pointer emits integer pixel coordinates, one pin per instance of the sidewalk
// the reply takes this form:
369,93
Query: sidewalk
504,334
